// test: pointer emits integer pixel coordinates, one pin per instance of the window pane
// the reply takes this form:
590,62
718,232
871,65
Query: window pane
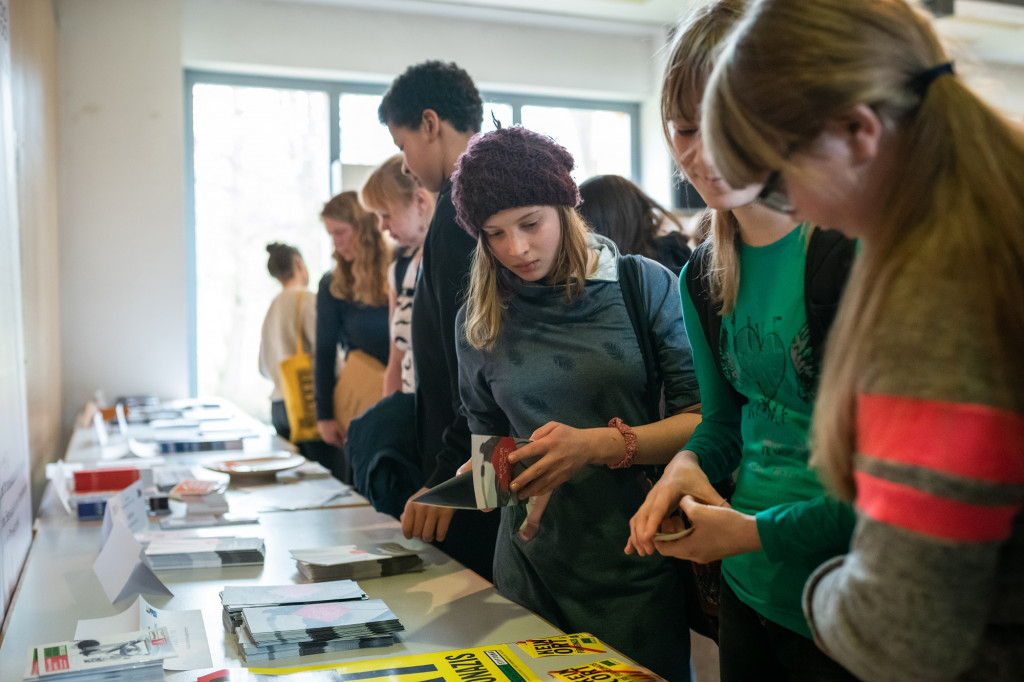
598,140
261,162
496,111
364,141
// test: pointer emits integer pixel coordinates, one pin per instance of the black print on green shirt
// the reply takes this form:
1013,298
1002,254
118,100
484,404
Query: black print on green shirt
807,370
754,361
760,357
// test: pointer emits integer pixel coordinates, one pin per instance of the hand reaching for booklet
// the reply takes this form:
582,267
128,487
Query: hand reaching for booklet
427,522
561,451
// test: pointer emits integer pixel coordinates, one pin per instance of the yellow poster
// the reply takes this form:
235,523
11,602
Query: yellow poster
566,645
578,657
603,671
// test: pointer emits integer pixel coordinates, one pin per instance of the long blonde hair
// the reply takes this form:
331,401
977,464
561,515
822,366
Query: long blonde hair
691,60
492,285
365,279
954,193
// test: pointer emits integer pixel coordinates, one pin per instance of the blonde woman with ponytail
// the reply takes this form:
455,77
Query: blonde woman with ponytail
757,347
853,112
351,309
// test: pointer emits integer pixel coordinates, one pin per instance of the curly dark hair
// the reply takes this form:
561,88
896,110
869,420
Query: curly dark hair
445,88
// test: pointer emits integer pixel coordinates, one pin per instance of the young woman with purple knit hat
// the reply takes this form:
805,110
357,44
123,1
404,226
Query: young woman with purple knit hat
546,334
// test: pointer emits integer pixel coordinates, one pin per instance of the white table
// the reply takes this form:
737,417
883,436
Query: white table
445,607
245,496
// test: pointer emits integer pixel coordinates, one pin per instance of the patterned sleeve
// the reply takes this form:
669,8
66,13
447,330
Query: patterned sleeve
932,585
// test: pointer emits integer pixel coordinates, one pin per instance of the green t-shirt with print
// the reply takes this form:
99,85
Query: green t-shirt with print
766,356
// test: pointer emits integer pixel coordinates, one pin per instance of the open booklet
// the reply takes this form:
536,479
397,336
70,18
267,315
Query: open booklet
485,486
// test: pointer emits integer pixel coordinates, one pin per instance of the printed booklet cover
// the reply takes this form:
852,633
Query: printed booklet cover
236,597
485,486
319,622
106,654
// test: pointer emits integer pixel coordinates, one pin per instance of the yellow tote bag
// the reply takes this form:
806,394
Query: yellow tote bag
360,385
297,386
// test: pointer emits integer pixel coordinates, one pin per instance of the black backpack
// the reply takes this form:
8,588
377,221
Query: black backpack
829,259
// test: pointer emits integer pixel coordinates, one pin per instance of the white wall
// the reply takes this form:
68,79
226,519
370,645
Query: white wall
15,493
122,250
122,246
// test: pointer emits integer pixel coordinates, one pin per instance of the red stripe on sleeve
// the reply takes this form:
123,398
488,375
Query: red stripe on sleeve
916,510
973,441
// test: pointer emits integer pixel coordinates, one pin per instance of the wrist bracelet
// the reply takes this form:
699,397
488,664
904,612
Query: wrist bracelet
631,444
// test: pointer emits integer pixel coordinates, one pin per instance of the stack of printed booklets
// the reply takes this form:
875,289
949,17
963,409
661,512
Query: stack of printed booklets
187,551
356,562
288,621
201,497
131,656
234,598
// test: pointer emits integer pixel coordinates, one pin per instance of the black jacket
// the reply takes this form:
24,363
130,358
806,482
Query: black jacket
443,434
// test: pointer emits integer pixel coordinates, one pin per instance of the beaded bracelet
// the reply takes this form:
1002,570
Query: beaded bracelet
631,444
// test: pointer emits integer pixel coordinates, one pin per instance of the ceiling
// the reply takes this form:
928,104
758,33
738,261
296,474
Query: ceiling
990,30
652,12
614,15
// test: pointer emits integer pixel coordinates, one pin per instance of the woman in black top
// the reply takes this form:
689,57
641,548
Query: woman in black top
351,304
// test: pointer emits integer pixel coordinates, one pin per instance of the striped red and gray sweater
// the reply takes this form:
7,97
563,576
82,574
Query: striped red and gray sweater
933,586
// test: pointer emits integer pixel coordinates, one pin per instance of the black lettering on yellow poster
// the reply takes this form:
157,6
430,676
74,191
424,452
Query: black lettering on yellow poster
608,670
566,645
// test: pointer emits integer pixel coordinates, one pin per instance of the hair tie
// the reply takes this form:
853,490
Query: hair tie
923,80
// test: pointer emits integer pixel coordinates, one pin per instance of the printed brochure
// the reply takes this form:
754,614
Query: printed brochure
485,486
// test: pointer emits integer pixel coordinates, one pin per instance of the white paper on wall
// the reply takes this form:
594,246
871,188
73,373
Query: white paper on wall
15,490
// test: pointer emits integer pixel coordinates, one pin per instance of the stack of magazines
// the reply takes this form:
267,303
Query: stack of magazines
201,497
234,598
273,632
356,562
131,656
200,552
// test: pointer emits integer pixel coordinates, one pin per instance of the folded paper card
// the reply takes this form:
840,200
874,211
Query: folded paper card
122,568
185,630
486,484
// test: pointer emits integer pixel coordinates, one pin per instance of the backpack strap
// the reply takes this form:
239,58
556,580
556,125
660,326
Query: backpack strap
830,256
829,259
631,285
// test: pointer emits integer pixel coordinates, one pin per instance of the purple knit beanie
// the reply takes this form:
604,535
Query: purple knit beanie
509,168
